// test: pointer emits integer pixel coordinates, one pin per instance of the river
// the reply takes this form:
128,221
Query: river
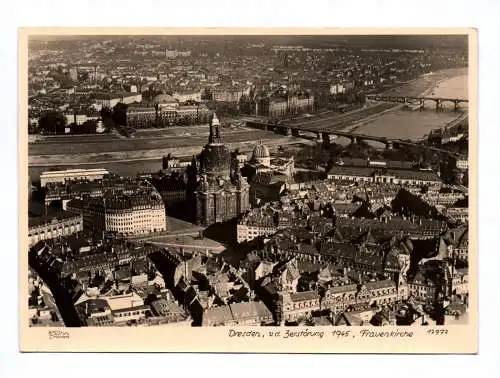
401,123
407,124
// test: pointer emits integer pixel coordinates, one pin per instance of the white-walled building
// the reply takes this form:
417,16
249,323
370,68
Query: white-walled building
50,227
383,176
110,100
72,174
123,214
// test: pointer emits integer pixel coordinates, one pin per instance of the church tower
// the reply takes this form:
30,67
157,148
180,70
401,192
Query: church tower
219,195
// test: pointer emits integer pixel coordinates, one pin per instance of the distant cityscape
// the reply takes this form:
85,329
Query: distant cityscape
248,180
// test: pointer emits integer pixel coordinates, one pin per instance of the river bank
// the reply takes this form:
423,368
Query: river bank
130,163
144,153
407,124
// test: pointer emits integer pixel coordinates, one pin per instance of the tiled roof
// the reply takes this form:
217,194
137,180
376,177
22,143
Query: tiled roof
249,309
380,284
342,289
337,249
123,273
369,259
163,307
307,249
92,306
304,296
414,175
218,315
307,266
364,171
456,307
345,208
392,261
56,217
420,279
351,171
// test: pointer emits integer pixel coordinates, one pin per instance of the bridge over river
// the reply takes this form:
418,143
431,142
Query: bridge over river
328,127
421,100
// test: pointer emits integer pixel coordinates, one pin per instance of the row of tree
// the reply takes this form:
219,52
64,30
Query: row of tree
52,123
55,123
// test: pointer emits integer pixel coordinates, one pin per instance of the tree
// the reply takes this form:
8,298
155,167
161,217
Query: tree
107,118
120,114
206,94
106,113
335,150
32,128
88,127
52,122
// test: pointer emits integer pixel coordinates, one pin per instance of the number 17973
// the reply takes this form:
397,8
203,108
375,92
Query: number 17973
439,332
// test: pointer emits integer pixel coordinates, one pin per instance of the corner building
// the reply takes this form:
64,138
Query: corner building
221,192
135,214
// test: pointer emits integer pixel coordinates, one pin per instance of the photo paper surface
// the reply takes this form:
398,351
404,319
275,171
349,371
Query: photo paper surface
248,190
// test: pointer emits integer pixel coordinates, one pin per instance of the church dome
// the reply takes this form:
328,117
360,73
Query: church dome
261,155
260,152
215,158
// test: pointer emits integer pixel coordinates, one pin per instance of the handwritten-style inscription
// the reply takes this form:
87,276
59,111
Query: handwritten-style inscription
437,332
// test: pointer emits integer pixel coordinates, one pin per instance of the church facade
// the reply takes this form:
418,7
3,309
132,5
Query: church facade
220,192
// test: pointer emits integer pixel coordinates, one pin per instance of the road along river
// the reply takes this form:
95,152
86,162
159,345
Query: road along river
144,152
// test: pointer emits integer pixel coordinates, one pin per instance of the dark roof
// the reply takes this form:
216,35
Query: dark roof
346,208
399,164
53,218
249,309
353,162
168,183
342,289
456,307
374,285
123,273
351,171
77,187
128,201
360,171
94,305
336,249
304,296
305,266
413,175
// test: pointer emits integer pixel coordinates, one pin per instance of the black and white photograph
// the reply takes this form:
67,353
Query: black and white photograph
273,185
